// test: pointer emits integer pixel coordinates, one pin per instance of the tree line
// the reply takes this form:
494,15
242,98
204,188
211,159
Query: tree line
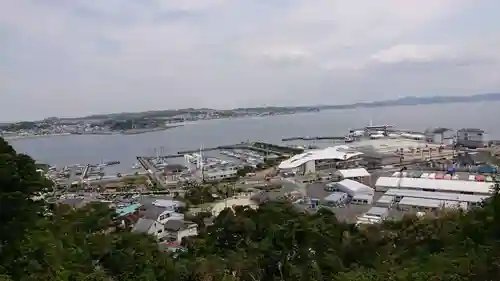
39,241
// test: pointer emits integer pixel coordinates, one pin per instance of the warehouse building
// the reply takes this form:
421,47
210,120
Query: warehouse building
357,174
470,137
435,185
428,205
469,200
374,215
358,192
386,201
336,199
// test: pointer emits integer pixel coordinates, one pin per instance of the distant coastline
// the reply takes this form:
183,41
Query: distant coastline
128,132
22,137
285,110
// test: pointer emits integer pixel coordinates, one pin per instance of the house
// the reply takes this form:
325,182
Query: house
158,213
128,215
151,227
178,229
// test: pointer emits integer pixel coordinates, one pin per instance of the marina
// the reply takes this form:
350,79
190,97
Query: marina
365,177
379,144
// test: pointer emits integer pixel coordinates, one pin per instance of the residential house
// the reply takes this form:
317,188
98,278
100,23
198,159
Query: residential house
160,214
151,227
128,215
178,229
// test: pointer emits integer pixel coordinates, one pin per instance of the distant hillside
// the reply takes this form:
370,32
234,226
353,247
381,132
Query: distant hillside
418,101
292,109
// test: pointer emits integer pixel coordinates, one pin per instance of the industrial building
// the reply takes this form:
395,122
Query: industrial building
427,205
434,185
441,135
357,174
471,200
336,199
386,201
470,137
372,216
220,175
358,192
336,157
391,145
372,158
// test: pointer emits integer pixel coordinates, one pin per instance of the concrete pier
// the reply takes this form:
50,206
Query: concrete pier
312,138
151,172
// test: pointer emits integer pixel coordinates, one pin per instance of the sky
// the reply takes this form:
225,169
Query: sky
79,57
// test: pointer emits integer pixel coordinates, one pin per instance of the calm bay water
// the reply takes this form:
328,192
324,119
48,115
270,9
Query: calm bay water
66,150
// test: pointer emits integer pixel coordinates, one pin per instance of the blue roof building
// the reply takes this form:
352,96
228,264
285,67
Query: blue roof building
128,210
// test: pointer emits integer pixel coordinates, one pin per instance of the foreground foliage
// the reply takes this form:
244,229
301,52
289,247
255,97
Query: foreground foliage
276,242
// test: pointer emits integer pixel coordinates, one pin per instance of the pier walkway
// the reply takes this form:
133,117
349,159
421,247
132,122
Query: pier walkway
312,138
85,173
151,172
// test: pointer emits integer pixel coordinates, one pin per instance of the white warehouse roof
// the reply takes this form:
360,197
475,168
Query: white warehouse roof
421,202
353,173
386,199
435,195
354,188
341,152
378,212
432,203
437,185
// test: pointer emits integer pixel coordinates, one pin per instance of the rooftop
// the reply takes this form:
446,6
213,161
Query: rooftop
150,211
354,173
434,195
471,130
341,152
388,145
435,184
421,202
440,130
176,225
127,210
143,225
354,186
377,211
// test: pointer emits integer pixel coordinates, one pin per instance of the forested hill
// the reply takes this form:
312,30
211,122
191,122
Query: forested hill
39,242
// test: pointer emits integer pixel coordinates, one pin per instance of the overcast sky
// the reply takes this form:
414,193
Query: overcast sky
79,57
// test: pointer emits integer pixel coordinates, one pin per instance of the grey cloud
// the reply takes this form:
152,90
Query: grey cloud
90,56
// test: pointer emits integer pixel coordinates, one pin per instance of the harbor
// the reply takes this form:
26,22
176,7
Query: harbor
381,145
158,171
369,175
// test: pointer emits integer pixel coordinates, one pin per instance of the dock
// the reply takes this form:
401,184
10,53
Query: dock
311,138
152,172
274,148
222,147
85,173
